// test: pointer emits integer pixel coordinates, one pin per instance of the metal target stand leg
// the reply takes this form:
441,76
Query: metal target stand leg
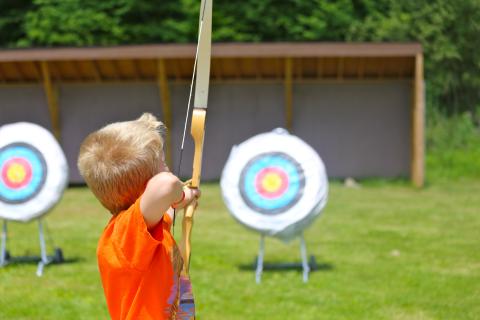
44,259
261,252
306,265
3,253
303,252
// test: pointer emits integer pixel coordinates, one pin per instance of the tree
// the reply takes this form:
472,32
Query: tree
74,23
448,30
12,19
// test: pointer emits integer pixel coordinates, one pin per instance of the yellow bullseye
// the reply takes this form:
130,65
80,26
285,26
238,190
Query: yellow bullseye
16,173
271,182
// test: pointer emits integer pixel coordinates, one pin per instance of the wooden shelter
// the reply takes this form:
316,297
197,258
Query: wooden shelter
67,81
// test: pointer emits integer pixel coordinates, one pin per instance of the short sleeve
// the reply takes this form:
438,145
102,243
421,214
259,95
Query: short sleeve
133,239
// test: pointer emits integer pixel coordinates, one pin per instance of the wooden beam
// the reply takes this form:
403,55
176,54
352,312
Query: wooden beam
176,69
3,79
18,69
219,50
218,76
400,68
117,70
298,69
258,74
52,99
77,69
361,68
418,125
55,71
136,69
11,73
278,69
340,68
288,93
37,71
319,68
162,81
380,68
96,71
238,67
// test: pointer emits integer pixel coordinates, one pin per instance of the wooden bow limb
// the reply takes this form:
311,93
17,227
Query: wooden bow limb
198,133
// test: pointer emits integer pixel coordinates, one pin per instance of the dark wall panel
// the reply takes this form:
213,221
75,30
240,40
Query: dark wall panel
85,108
359,129
24,103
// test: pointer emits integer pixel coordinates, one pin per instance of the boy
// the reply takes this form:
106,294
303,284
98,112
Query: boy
123,164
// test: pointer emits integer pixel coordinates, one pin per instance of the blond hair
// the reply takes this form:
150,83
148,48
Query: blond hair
118,160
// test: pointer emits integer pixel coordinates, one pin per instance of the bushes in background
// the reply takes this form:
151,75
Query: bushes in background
453,146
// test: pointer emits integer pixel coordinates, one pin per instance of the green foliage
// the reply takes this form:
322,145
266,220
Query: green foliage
453,145
111,22
160,21
12,20
278,20
74,23
385,252
448,30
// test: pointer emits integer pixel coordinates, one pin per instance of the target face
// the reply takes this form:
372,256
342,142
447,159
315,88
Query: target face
33,171
271,183
274,183
22,172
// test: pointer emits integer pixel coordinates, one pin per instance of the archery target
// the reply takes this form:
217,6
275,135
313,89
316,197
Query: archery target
274,183
23,172
271,183
33,171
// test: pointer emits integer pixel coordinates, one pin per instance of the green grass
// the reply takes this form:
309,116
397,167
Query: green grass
386,251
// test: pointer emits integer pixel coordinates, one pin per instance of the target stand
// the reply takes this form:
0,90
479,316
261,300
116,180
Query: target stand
275,184
33,176
43,260
306,265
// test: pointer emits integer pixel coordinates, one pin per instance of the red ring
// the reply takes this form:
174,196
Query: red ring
28,173
268,194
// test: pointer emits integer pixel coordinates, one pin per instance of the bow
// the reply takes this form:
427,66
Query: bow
201,75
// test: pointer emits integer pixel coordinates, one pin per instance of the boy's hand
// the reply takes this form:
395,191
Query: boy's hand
189,195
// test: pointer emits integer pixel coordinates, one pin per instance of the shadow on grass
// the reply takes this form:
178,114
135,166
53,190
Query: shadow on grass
36,259
287,266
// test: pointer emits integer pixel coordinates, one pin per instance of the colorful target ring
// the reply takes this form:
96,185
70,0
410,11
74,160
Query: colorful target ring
271,183
275,184
23,172
33,171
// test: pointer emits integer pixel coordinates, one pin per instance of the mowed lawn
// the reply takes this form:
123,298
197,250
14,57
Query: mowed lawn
385,251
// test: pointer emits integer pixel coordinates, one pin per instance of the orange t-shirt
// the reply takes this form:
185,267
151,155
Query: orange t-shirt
139,268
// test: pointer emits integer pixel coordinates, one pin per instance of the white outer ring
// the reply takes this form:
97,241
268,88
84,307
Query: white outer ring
287,224
57,171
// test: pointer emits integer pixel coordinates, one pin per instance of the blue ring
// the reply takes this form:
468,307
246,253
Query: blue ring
39,172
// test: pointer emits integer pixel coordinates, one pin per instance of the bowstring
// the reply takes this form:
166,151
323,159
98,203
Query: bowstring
194,76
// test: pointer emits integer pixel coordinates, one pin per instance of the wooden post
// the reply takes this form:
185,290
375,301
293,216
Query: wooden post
51,93
166,108
418,125
288,94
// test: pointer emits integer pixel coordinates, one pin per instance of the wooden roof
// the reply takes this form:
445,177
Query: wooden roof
230,61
